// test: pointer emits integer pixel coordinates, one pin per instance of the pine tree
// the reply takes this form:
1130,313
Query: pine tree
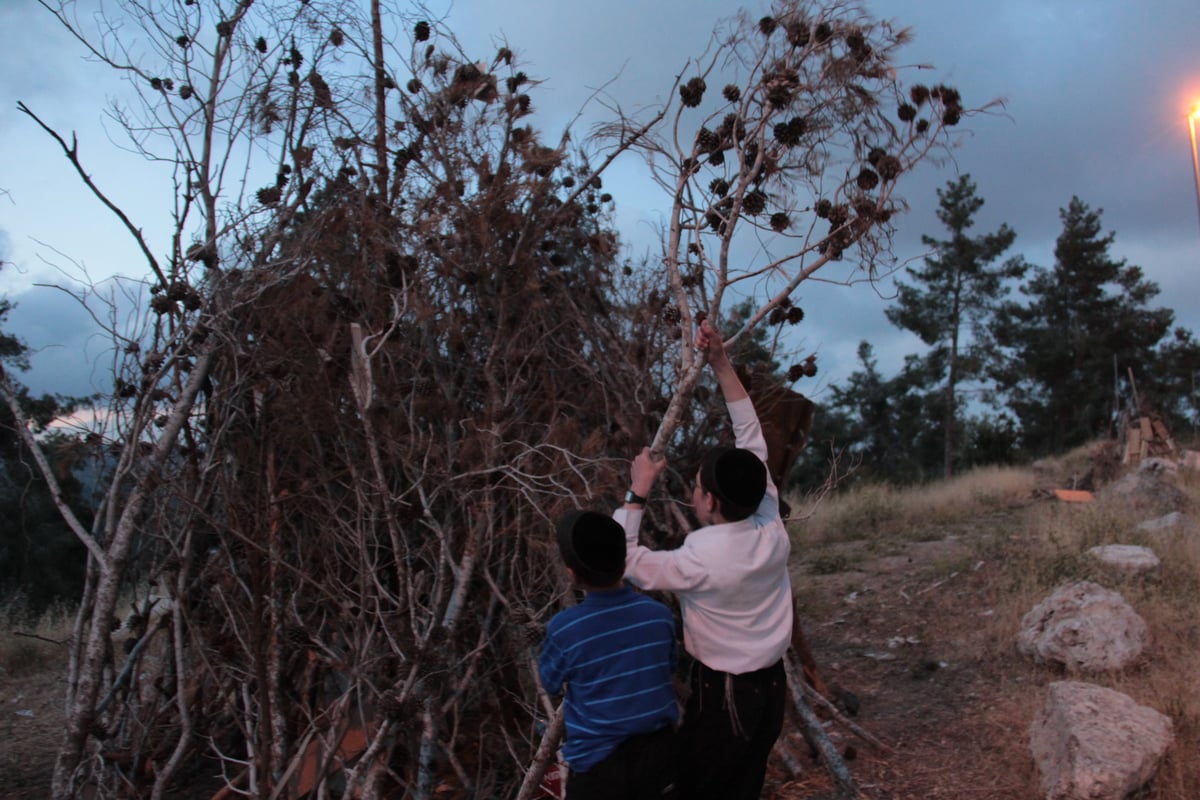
1174,386
1086,318
41,561
878,422
952,298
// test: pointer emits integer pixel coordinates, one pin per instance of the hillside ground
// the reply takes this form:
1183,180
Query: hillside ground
912,602
904,629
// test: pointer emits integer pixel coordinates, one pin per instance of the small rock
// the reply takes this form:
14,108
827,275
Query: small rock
1165,522
1128,559
1158,465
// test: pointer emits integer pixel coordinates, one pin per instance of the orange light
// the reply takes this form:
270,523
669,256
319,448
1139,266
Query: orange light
1192,119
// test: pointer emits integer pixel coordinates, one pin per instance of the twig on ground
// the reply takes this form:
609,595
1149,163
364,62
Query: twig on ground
40,638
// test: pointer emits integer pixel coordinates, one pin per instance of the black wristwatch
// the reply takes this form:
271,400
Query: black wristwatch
634,499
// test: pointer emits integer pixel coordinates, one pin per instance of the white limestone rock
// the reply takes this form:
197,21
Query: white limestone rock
1083,627
1126,559
1166,522
1093,743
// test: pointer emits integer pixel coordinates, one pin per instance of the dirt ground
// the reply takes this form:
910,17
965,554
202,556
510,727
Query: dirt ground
946,694
31,723
898,628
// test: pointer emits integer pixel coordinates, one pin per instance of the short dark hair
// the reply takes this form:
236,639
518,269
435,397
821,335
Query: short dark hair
737,478
593,546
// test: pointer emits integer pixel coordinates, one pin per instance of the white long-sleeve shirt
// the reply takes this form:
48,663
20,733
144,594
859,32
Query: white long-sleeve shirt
731,579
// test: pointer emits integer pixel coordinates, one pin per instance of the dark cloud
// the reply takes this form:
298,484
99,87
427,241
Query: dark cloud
70,354
26,75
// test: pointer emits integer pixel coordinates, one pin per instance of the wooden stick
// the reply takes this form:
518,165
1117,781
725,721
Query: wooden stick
815,734
788,758
804,653
541,759
40,638
841,718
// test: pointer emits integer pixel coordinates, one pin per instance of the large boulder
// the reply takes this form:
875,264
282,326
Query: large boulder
1083,627
1093,743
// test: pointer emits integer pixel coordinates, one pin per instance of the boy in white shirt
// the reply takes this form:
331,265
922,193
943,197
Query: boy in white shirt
735,597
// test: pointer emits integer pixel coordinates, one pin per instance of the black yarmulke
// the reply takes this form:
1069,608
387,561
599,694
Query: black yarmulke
737,478
593,545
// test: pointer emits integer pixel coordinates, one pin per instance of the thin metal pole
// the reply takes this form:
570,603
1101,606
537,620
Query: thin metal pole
1195,156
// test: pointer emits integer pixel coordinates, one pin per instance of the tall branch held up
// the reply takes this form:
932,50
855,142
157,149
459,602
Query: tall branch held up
787,169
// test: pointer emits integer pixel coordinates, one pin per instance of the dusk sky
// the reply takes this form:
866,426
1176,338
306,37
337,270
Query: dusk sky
1096,98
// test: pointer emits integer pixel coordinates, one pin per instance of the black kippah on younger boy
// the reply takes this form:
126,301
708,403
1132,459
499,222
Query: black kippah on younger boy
737,478
593,546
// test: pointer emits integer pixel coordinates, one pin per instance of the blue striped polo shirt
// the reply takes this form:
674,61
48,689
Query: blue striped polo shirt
615,652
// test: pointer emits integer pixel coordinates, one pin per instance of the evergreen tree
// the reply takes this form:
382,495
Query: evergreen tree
41,561
881,421
1086,318
951,299
1173,388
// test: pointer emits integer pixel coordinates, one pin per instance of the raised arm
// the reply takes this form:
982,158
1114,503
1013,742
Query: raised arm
747,430
708,339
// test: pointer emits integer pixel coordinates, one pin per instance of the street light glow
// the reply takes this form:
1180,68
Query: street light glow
1195,115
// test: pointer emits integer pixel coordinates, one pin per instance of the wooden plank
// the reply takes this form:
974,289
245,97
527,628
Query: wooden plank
1147,433
1074,495
1133,443
1160,430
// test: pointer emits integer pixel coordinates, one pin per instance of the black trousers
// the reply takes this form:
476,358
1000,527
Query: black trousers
643,767
730,725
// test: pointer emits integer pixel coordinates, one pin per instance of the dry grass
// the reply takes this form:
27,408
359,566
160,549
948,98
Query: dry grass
876,510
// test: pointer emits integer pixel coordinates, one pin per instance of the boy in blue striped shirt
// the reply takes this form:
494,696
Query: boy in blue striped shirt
615,653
